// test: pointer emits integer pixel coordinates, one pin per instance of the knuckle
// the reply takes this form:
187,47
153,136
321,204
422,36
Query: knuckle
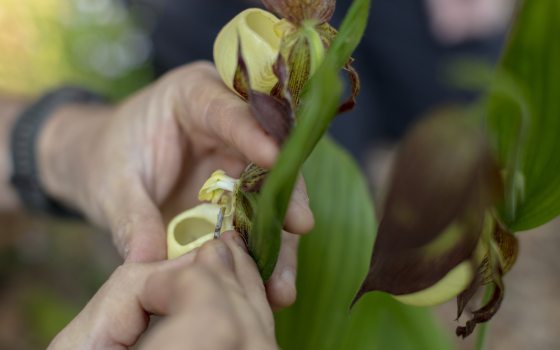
194,275
127,273
172,84
123,271
195,282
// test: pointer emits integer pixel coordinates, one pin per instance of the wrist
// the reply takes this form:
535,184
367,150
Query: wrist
65,149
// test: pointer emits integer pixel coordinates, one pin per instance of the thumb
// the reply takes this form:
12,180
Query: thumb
137,226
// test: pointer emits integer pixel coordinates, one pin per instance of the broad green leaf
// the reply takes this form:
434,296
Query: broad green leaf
320,102
333,259
526,120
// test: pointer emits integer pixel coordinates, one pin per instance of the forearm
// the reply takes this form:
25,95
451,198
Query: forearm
8,113
66,148
65,145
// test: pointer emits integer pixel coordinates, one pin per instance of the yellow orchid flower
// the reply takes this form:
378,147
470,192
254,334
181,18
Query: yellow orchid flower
193,228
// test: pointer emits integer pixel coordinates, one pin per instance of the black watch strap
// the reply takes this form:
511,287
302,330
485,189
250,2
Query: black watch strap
23,143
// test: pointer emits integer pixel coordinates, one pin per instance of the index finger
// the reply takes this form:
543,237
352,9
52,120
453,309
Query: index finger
223,115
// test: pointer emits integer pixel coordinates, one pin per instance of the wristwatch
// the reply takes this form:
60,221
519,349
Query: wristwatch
23,146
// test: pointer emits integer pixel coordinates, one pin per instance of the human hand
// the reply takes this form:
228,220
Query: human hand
213,298
123,166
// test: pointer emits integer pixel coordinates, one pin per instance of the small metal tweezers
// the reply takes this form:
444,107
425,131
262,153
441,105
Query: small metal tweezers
218,229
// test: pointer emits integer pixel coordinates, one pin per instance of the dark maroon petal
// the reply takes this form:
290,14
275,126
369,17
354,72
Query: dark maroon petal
490,271
410,270
275,115
465,297
281,71
355,86
486,312
444,174
241,82
442,164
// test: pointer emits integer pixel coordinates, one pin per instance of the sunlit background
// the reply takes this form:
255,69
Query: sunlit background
49,269
45,43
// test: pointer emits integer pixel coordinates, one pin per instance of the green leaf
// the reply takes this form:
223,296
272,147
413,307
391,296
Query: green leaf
333,260
526,120
319,104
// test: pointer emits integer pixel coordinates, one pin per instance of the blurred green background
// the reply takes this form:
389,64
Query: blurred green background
45,43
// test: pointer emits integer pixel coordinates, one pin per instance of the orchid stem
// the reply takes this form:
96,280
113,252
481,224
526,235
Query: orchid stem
482,332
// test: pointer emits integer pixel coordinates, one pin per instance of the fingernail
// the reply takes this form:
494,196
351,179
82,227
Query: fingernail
301,196
289,277
302,200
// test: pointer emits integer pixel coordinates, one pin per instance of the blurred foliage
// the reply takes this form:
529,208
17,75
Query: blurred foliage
92,43
524,116
522,110
48,271
46,313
